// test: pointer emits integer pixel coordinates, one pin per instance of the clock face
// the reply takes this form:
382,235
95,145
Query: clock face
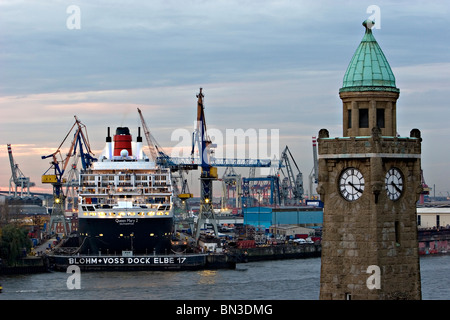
351,184
394,183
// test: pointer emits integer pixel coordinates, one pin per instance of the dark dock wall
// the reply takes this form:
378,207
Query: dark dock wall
277,252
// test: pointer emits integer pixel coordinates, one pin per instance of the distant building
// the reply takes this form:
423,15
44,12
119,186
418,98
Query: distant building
289,230
27,205
433,217
265,217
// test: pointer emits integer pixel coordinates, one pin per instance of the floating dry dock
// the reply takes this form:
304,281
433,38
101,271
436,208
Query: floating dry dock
142,262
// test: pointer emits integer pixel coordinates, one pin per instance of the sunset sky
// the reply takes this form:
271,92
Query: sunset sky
262,65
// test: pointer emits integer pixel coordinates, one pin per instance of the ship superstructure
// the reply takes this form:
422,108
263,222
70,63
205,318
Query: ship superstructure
125,200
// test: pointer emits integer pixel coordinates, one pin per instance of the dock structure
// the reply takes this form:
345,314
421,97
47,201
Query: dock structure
170,262
277,252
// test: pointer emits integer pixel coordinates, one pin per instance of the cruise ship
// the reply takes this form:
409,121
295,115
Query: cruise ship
125,201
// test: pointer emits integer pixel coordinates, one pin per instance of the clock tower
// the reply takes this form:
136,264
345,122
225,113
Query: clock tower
369,181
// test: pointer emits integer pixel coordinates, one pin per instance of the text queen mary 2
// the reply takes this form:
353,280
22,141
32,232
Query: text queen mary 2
125,201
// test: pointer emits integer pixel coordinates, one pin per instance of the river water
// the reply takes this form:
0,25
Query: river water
296,279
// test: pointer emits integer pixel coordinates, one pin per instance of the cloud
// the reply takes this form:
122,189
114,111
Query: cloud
147,44
421,78
262,64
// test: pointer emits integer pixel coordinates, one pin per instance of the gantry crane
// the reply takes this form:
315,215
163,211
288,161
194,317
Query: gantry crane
59,165
267,189
18,179
231,181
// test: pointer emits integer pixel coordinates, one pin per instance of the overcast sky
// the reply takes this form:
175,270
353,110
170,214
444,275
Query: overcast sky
262,65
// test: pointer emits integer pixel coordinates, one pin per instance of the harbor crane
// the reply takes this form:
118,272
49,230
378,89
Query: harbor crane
266,187
425,188
59,165
153,146
314,175
208,172
205,161
209,164
18,179
292,184
231,181
161,158
185,193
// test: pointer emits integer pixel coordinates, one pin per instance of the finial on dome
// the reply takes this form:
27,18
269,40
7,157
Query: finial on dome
368,24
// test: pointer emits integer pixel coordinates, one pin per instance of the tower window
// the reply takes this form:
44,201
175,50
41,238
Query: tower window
349,118
397,233
380,118
363,118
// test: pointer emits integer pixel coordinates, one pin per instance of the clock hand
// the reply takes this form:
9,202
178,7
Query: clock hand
395,186
357,189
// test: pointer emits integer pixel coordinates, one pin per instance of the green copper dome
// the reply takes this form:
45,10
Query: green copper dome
369,69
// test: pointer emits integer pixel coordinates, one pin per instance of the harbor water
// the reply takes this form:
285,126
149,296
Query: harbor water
296,279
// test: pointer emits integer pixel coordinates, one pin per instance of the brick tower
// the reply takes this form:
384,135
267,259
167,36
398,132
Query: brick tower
369,181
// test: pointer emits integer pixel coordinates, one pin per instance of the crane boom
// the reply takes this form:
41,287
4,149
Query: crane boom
150,141
17,177
201,135
316,170
80,139
13,166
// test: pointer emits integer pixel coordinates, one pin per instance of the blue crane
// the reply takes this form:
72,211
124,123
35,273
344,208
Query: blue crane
209,167
208,173
80,142
80,139
207,164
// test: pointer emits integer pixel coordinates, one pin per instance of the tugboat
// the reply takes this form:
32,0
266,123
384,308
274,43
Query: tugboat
125,201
